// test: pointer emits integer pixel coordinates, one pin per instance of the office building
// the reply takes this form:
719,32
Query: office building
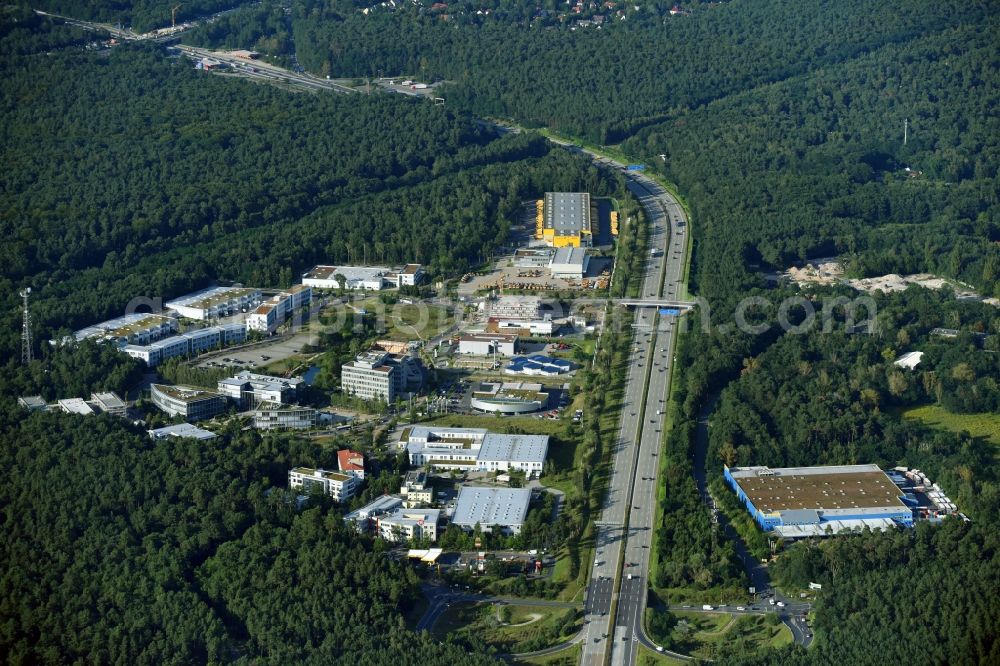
522,328
75,406
474,449
248,389
509,398
215,302
108,403
341,487
378,375
365,518
33,403
192,342
181,430
139,328
502,509
564,219
371,278
192,404
409,524
816,501
276,416
272,313
416,491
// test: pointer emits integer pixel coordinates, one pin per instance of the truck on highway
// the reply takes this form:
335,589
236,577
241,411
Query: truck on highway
655,252
707,607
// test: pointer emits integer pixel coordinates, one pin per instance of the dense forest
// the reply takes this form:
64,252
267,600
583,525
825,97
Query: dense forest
138,176
140,16
122,550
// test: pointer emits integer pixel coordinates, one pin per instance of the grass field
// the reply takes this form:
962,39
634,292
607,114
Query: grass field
977,425
708,635
568,657
528,627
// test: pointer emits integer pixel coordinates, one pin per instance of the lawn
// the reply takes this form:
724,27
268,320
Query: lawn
986,425
528,627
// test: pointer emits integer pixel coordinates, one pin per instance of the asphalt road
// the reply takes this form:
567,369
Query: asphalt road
632,486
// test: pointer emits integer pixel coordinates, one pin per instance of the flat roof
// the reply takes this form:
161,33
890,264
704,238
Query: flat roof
321,473
514,448
569,256
184,393
108,400
350,273
206,298
506,507
568,213
75,406
379,505
181,430
488,337
410,269
124,325
413,517
849,489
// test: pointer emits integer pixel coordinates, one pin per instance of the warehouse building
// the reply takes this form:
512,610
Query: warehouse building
521,327
215,302
484,344
248,389
371,278
341,487
563,219
474,449
190,403
276,416
569,263
502,509
509,398
139,328
379,375
798,502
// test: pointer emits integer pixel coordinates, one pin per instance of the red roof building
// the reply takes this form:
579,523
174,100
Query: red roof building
351,462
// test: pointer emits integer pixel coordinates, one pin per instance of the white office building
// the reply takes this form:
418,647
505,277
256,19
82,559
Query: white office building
215,302
108,403
370,278
409,524
364,519
192,342
502,509
341,487
516,307
181,430
75,406
248,389
139,328
474,449
271,314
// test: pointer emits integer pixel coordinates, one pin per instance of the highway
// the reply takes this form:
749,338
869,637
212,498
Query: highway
631,497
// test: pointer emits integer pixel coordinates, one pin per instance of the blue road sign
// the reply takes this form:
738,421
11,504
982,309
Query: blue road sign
669,311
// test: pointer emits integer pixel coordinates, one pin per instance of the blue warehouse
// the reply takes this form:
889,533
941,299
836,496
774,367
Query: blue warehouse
796,502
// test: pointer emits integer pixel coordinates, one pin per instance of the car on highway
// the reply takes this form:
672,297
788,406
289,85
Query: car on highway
740,608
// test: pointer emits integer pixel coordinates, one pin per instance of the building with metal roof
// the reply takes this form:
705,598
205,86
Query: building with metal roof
364,518
569,263
188,402
185,430
215,302
491,508
829,499
474,449
564,219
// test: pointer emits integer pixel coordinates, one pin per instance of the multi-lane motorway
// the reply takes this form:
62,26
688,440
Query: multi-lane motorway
624,534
